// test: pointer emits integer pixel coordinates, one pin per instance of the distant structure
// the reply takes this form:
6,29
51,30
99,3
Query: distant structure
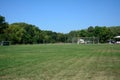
117,39
85,40
5,43
80,41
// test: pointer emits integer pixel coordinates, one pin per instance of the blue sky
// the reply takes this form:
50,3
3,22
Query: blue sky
62,15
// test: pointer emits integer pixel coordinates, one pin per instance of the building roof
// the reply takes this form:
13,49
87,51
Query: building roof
117,37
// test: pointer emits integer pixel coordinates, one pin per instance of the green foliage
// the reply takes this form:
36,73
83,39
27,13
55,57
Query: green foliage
3,24
23,33
3,27
91,31
115,30
102,32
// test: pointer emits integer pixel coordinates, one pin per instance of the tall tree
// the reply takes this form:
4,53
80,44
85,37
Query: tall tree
24,33
90,31
3,27
15,33
3,24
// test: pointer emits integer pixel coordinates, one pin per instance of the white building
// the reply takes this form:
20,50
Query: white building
117,38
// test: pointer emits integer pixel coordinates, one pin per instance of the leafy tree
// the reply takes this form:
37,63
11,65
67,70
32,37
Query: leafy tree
115,30
23,33
83,33
90,31
105,34
3,24
15,33
60,37
3,27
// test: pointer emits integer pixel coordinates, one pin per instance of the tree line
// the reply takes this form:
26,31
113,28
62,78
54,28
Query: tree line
24,33
102,32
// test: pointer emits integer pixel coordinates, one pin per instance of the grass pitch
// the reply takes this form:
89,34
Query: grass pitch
60,62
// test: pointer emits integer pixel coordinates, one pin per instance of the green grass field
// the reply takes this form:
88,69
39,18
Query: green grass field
60,62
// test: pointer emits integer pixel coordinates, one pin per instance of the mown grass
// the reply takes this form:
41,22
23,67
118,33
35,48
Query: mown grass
60,62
